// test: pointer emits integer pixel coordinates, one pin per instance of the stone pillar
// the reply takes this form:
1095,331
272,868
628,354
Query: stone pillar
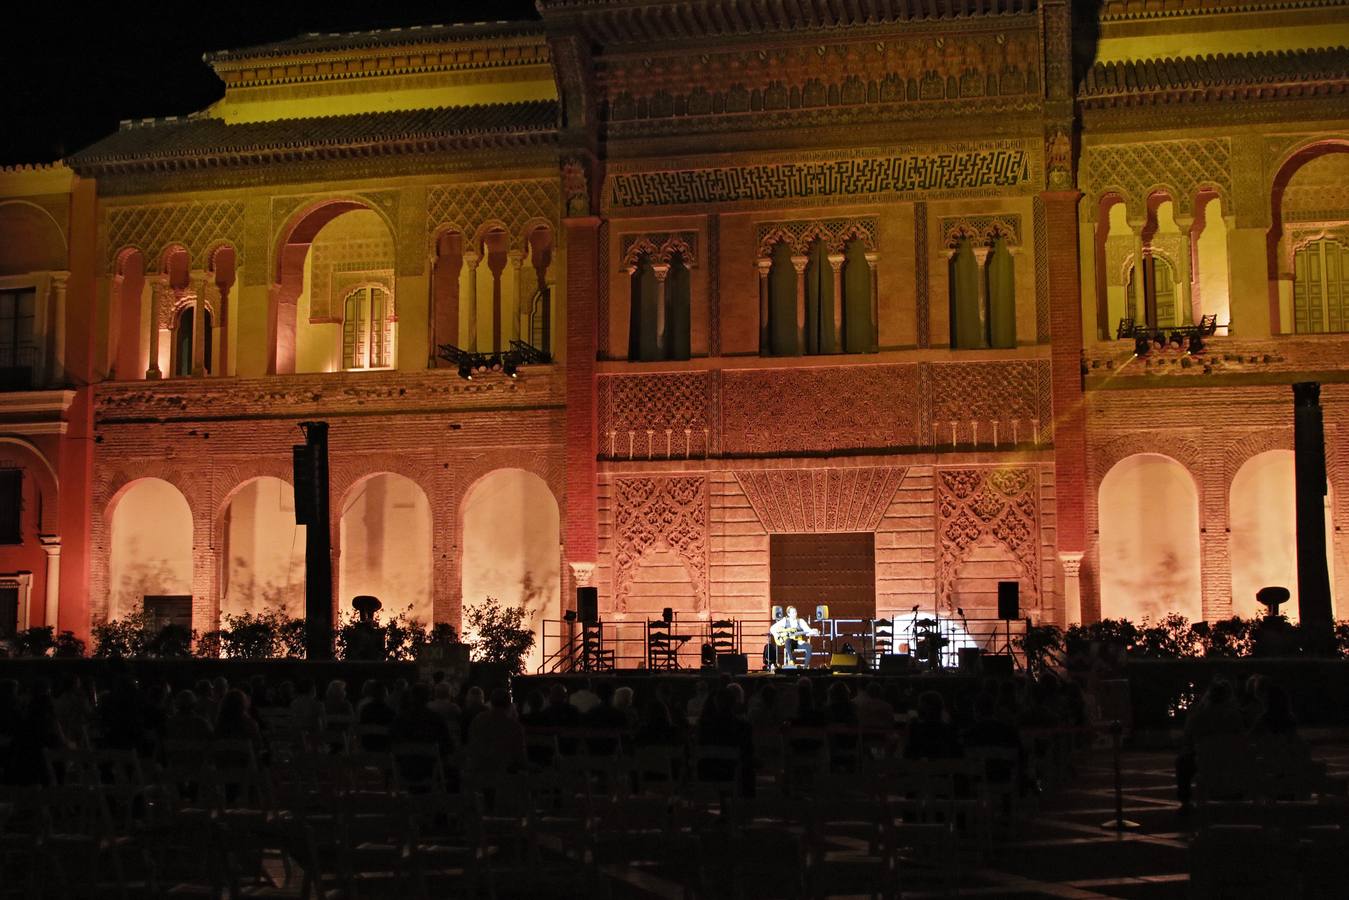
1069,421
1186,274
662,272
836,263
581,529
517,262
1070,563
471,260
1140,310
157,288
222,366
51,545
872,259
764,265
496,305
199,333
206,584
799,264
56,365
981,255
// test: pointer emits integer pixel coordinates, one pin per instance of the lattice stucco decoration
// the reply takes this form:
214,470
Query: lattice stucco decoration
973,505
200,227
1183,167
639,403
514,204
651,512
660,247
800,235
981,230
794,501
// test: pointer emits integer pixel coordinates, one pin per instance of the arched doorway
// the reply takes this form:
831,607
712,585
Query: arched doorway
1307,245
150,546
264,550
511,541
1149,544
385,542
1263,538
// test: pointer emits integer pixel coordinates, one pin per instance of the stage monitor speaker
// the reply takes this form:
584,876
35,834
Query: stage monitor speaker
588,605
778,612
845,662
733,663
998,665
1009,600
822,611
969,660
897,664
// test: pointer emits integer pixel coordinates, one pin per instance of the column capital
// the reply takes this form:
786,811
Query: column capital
50,543
764,265
516,258
836,261
981,255
799,263
872,257
472,258
1071,562
59,279
660,270
582,573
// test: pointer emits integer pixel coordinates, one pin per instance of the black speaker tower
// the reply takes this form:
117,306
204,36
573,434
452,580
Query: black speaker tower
311,511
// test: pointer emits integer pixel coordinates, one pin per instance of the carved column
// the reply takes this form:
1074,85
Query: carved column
764,265
471,260
662,272
51,545
496,303
836,263
1186,226
56,367
799,264
1070,562
199,333
517,261
981,255
157,288
872,259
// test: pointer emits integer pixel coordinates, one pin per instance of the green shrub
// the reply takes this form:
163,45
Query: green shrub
502,634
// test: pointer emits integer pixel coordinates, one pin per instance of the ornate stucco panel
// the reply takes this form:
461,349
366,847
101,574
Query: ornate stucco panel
660,512
828,500
975,505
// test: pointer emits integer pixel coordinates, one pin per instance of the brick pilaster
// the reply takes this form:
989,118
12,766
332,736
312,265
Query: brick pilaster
1065,325
582,347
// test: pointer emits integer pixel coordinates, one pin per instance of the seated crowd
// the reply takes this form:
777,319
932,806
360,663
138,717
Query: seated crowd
485,732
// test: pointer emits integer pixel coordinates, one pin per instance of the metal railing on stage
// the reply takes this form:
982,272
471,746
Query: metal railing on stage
933,640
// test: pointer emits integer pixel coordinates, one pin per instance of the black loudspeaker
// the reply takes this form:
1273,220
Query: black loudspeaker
1009,600
588,605
733,663
969,660
997,666
896,664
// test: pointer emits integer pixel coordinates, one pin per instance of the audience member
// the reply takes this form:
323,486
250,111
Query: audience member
186,724
335,702
931,736
496,740
873,710
1214,715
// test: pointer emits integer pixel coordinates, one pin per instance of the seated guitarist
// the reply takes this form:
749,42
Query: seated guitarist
792,632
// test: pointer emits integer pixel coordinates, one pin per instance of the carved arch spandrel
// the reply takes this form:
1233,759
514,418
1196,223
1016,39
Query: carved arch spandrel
976,504
820,500
660,511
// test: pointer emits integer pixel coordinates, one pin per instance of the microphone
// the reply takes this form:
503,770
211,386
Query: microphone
915,608
961,612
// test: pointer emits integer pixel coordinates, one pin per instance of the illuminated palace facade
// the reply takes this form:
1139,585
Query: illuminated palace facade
832,293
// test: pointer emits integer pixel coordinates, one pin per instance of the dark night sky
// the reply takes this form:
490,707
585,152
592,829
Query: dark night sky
74,71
